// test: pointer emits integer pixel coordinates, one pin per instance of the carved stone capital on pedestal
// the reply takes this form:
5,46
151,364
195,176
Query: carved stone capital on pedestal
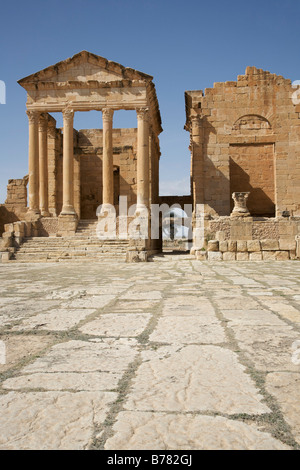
240,205
142,113
107,114
33,116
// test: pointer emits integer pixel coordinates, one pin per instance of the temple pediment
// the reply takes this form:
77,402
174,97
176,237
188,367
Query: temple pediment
84,67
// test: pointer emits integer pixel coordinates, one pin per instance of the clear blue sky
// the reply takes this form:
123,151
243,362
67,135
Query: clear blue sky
184,45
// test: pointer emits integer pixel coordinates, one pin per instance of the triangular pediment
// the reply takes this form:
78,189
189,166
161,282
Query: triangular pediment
82,67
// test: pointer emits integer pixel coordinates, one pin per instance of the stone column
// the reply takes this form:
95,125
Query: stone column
68,164
142,158
107,162
43,165
198,220
52,166
33,185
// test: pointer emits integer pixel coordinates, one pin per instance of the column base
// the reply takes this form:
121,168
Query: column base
68,210
45,213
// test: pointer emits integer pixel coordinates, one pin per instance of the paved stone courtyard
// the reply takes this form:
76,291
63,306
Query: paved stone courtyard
173,354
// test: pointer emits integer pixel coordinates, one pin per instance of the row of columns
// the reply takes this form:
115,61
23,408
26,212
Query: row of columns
38,162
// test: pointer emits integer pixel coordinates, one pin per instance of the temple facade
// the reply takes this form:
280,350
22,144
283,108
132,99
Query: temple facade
57,156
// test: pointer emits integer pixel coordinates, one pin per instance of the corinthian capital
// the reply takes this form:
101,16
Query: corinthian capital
68,114
33,116
142,113
107,114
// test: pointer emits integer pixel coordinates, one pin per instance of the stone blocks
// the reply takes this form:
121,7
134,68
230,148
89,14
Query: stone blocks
133,255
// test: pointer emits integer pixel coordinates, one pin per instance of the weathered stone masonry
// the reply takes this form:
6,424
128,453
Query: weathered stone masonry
245,137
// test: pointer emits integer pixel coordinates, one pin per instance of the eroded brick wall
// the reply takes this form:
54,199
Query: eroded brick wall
14,208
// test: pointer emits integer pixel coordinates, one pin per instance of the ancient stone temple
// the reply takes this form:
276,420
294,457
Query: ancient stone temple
245,150
72,173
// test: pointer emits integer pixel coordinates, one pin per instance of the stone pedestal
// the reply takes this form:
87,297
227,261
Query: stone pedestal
67,224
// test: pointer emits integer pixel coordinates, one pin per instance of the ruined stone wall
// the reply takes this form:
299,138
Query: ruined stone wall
226,228
251,239
248,139
15,206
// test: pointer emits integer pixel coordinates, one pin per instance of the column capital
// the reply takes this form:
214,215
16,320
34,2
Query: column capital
33,116
142,113
107,114
68,114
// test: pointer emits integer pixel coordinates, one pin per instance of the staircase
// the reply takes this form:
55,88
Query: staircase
82,246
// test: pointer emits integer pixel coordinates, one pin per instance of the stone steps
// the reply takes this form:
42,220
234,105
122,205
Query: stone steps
82,246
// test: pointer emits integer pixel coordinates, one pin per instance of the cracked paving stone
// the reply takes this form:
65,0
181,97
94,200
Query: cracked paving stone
85,381
187,305
51,420
119,325
268,347
95,301
55,320
11,313
235,303
86,356
188,329
133,305
194,378
138,295
151,431
252,317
